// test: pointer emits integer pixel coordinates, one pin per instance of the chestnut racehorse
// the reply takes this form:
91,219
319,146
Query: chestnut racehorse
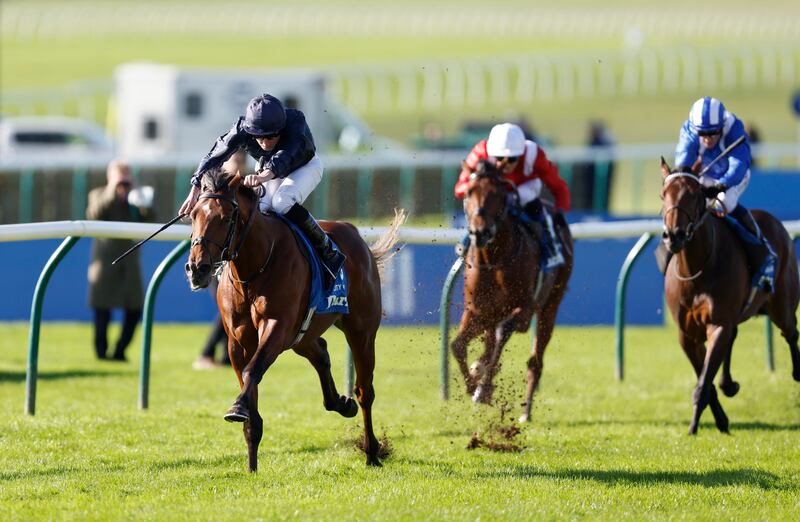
708,283
500,284
263,299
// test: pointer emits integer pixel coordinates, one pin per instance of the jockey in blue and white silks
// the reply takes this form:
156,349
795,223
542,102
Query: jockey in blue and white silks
708,131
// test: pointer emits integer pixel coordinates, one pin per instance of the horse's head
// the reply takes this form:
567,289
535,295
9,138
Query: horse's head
214,223
485,202
684,207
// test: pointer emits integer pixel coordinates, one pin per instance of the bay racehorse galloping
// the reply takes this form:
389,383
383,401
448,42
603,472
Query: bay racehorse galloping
708,287
500,284
263,299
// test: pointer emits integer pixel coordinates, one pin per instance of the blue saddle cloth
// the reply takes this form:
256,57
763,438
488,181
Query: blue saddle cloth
333,301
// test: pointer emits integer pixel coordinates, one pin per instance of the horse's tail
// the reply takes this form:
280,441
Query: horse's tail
384,248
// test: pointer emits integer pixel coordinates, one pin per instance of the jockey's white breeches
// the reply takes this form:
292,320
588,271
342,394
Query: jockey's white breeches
282,193
730,198
529,191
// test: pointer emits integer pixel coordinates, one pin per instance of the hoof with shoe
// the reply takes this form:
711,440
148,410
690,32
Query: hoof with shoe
729,388
237,413
348,407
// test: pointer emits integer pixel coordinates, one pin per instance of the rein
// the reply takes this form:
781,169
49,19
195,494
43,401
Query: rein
692,227
226,254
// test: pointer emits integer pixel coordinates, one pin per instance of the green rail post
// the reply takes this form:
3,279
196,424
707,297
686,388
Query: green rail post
364,193
565,170
449,177
619,305
36,319
79,184
770,353
444,327
183,179
408,182
320,201
348,371
26,186
600,185
147,321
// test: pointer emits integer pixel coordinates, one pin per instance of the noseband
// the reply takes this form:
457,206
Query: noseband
492,231
226,253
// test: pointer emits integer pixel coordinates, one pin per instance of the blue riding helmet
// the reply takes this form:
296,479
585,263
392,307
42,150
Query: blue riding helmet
264,116
707,115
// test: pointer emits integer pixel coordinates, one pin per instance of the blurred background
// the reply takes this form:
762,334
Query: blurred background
396,93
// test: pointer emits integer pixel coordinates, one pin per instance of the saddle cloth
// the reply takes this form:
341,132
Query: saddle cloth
320,299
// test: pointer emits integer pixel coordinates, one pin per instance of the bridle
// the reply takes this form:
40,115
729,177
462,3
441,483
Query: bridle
694,223
226,252
481,211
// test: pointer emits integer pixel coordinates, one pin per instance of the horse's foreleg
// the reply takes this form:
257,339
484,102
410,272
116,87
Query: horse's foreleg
719,339
545,322
485,389
467,331
271,342
726,383
253,430
317,355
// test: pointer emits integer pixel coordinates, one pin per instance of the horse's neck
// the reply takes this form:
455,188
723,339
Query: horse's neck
697,253
504,246
257,245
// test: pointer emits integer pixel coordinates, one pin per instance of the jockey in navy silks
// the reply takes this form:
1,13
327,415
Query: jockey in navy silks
708,131
288,168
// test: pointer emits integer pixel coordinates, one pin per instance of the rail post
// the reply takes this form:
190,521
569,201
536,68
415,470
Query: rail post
36,320
444,327
147,321
619,305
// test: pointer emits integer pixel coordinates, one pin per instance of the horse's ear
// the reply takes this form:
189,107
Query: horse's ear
665,167
234,182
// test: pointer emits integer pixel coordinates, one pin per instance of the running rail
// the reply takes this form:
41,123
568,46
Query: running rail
71,231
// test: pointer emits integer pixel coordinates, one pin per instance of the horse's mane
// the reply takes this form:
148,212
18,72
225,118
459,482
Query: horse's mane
486,168
217,180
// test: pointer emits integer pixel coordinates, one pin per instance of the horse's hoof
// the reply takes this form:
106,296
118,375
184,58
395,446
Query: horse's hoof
374,462
524,418
237,413
730,388
347,407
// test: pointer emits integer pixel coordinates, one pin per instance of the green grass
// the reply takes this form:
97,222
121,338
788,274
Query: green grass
596,449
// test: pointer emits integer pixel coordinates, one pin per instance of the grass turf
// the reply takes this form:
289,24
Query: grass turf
596,448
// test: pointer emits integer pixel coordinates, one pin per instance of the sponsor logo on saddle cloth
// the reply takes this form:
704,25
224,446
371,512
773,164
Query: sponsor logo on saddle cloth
333,301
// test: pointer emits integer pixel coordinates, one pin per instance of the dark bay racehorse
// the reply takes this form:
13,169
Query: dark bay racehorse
263,299
500,285
707,287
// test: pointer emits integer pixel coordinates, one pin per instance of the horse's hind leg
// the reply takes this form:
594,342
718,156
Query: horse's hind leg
726,383
545,322
783,312
362,345
317,355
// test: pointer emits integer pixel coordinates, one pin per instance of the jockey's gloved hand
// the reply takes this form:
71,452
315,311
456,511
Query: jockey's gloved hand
714,190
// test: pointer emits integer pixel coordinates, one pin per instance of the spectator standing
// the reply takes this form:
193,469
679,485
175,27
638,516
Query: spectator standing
119,285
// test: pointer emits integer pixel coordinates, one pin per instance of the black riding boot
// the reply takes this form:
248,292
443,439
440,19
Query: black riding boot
332,258
760,255
542,227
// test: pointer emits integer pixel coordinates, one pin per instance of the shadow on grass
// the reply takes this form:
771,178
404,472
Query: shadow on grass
715,478
762,426
63,374
61,471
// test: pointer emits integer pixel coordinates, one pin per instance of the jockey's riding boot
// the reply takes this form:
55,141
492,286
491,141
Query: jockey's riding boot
332,258
760,256
551,248
463,246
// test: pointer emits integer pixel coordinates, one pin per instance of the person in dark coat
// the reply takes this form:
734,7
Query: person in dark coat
119,285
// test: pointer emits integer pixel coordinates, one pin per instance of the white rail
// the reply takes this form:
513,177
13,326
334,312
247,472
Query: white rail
112,229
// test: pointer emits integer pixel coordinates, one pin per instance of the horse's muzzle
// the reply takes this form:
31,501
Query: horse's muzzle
674,240
199,275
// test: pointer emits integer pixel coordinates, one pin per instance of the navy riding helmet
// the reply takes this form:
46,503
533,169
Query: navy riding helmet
264,116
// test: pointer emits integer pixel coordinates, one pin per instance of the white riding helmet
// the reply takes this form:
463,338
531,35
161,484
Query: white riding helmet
505,139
